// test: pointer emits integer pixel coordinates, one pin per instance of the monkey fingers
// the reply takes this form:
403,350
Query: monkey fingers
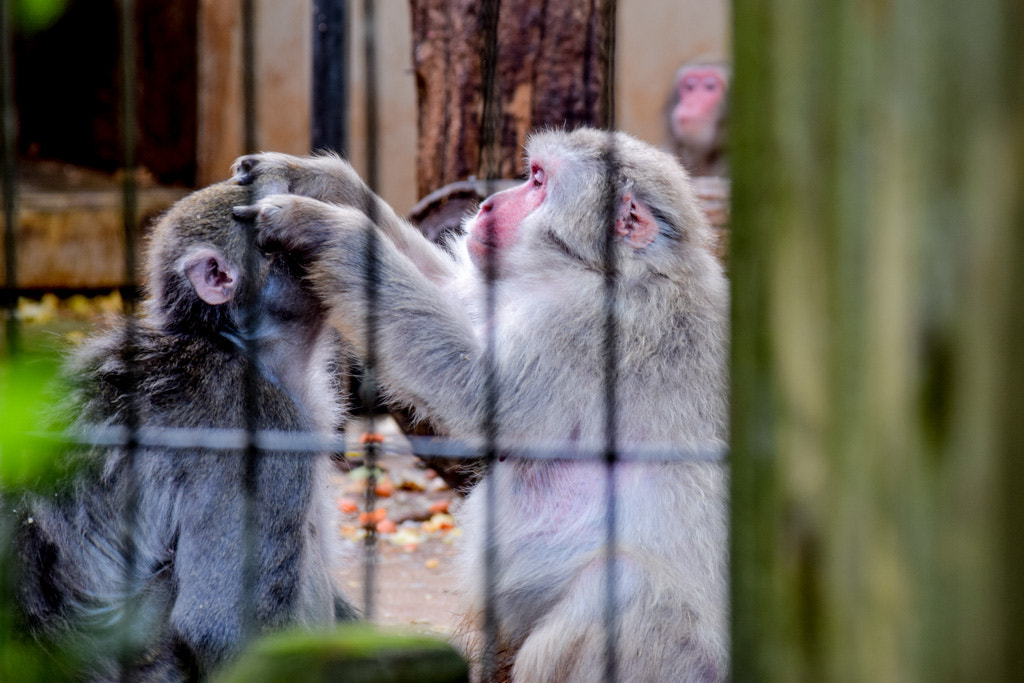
287,223
267,174
307,228
242,171
327,178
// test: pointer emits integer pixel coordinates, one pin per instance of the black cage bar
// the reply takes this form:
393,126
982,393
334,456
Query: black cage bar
329,133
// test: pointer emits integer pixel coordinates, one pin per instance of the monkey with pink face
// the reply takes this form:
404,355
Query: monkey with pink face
542,385
698,117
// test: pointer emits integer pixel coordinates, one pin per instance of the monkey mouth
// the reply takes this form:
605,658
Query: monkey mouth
482,248
483,254
479,247
489,239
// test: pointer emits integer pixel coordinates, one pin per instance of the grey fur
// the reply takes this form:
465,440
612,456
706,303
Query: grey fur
671,306
184,602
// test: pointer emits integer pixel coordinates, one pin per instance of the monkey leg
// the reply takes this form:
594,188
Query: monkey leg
658,636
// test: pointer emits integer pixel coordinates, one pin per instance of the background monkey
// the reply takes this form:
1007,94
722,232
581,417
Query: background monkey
186,599
545,242
698,117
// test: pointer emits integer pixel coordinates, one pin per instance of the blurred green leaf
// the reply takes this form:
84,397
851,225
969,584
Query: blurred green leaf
31,16
27,458
355,653
27,661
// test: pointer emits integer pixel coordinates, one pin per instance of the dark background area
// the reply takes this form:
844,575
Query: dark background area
67,88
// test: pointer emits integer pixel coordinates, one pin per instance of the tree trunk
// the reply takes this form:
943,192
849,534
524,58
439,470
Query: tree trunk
877,259
548,66
551,68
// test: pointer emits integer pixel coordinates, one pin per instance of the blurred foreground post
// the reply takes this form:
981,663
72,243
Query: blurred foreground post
878,270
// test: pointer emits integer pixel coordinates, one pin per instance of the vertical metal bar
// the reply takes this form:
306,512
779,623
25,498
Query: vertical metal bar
370,56
129,148
251,455
129,142
489,162
611,376
369,393
608,84
488,167
8,138
612,192
12,336
329,127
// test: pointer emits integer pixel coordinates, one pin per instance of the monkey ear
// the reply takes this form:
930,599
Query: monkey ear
212,277
635,223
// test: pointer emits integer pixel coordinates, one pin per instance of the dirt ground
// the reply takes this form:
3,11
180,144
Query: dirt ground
414,573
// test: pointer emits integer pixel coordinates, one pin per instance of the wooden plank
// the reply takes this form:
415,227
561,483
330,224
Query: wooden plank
283,56
75,239
219,126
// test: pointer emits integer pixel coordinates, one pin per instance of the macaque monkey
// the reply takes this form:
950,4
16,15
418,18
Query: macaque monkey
182,594
533,366
698,117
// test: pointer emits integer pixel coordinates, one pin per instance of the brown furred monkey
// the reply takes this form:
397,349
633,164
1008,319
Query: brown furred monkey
547,239
187,598
697,115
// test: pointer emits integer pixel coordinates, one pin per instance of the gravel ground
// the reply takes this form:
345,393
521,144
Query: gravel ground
414,573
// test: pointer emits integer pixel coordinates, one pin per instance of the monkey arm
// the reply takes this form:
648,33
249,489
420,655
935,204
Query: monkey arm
426,348
333,180
226,572
208,610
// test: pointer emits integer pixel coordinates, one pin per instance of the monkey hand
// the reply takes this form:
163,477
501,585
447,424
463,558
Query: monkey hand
327,178
290,223
335,246
267,174
310,230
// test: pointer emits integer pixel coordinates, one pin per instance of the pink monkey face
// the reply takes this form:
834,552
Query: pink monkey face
496,225
701,96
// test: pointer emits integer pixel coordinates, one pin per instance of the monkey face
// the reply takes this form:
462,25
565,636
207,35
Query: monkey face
207,276
496,225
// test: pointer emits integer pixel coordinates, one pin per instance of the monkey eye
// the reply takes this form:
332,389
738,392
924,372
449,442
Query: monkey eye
711,83
537,176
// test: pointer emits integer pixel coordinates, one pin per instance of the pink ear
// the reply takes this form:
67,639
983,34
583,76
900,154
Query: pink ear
635,223
213,278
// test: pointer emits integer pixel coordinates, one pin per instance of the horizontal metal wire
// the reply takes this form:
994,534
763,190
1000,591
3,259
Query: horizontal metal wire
432,446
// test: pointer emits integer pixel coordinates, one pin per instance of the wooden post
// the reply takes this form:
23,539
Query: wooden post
283,32
552,66
877,260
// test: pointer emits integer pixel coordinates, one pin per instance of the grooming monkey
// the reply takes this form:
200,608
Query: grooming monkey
531,372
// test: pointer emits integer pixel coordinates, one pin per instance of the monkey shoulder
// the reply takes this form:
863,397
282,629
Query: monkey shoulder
172,379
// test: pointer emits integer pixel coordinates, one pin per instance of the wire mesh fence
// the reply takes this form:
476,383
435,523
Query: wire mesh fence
134,436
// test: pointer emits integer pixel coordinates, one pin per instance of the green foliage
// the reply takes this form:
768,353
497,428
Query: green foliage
355,652
31,16
28,458
24,660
